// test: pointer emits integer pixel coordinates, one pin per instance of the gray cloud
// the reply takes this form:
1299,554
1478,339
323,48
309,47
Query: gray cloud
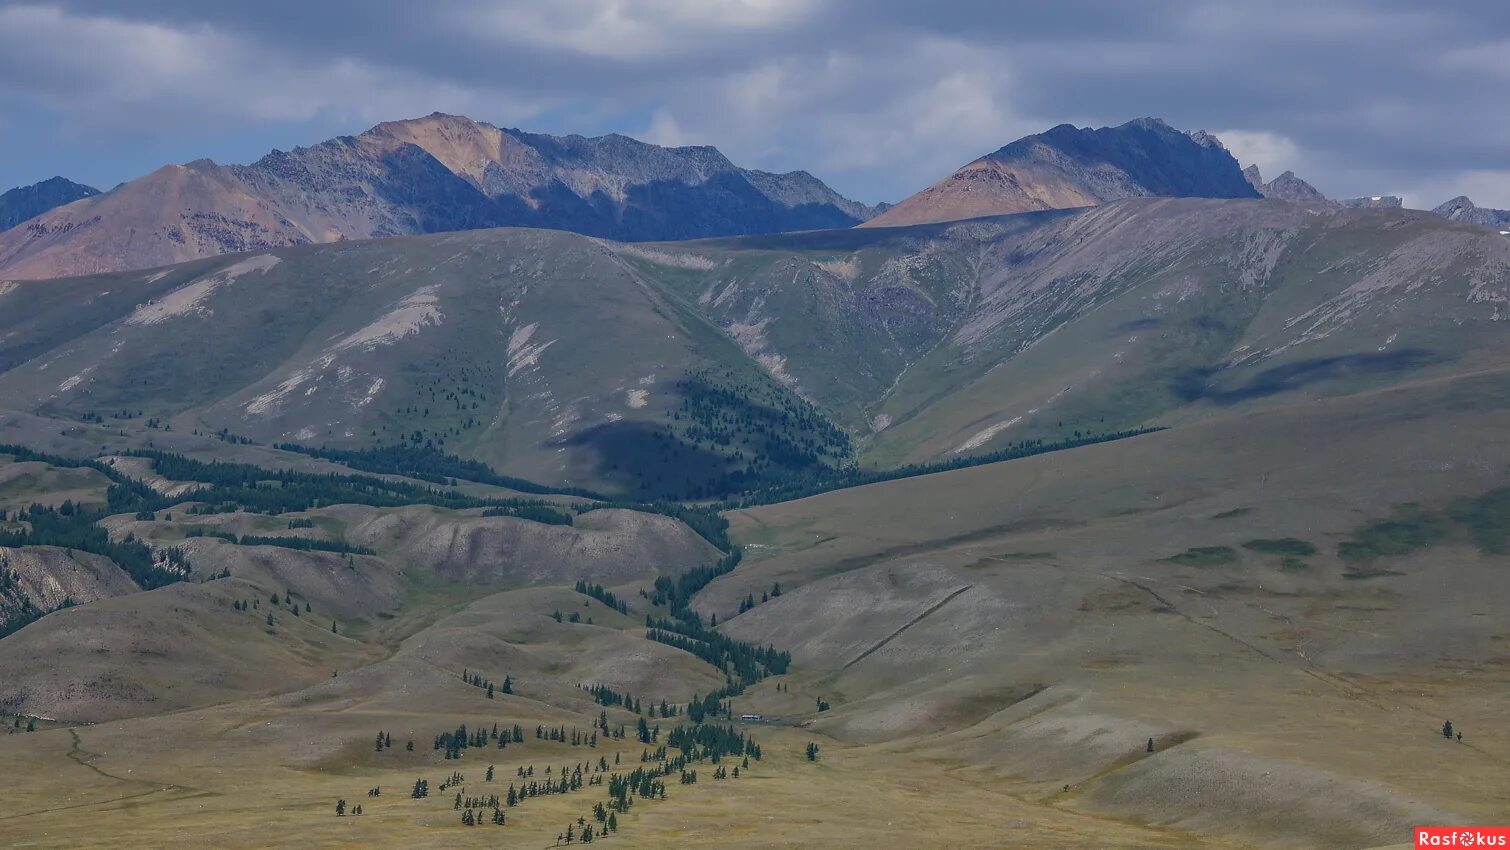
879,97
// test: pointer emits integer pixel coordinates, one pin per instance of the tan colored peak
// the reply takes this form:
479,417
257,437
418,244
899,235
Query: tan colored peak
986,187
459,143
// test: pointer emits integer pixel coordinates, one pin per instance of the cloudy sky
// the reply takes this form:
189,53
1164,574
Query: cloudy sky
877,97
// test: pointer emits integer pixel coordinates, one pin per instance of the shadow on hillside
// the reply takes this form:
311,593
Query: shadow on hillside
1196,384
855,239
646,461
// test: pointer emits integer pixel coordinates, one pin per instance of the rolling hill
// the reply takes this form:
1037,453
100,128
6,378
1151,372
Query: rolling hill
708,368
1244,631
1245,628
426,175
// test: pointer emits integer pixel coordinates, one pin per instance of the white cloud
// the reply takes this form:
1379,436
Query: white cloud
1272,153
104,71
1489,59
1487,188
877,131
664,130
629,29
878,97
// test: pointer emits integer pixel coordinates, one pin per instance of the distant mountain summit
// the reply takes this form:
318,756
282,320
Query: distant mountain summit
426,175
1286,187
1070,166
24,202
1462,209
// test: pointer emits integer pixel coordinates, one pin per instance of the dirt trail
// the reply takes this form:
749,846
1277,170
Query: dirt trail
77,754
909,624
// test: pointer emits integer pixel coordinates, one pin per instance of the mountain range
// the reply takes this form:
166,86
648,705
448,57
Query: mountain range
1133,519
446,173
426,175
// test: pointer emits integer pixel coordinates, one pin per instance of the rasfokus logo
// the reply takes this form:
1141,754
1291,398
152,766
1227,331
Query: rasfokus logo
1462,836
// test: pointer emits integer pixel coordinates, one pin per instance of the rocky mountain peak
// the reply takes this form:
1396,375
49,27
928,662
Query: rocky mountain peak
1068,166
24,202
1464,210
1286,187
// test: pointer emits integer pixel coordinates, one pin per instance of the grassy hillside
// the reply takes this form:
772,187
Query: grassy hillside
964,646
1266,597
697,370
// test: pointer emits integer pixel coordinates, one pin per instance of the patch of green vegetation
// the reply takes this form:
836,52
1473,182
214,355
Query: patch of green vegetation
1487,519
1408,530
1232,514
1025,556
71,527
847,477
306,544
197,531
1204,556
1293,565
1282,546
428,463
728,437
534,513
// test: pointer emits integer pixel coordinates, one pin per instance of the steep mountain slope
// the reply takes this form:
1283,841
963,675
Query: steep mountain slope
954,339
1070,166
700,369
543,352
427,175
1463,209
24,202
37,579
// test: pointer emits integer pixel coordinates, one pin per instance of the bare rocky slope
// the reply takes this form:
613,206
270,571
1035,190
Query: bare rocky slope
426,175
